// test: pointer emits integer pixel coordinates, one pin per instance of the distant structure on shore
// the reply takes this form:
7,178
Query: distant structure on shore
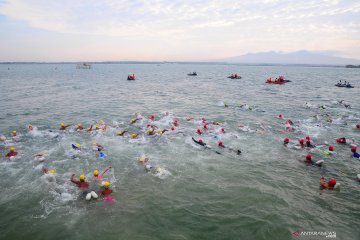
352,66
83,66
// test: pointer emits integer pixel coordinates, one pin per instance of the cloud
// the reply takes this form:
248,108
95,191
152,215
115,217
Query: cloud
204,22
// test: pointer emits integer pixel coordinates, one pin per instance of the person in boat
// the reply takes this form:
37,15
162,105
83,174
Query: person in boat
330,185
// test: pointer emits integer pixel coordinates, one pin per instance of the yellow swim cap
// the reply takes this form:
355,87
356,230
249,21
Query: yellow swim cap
159,131
78,145
14,131
150,130
97,126
12,149
62,124
52,171
82,177
79,124
30,125
142,158
106,184
133,135
96,173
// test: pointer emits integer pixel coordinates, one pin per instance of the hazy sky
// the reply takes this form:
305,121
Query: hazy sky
97,30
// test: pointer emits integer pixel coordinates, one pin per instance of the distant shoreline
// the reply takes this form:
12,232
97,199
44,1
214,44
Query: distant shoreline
179,62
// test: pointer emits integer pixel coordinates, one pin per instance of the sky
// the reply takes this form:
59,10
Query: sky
187,30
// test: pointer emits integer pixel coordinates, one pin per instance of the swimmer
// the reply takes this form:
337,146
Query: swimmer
152,118
97,146
331,185
357,127
30,127
83,185
98,177
90,129
162,131
221,145
151,132
107,190
308,144
341,140
134,120
198,131
79,127
301,142
354,153
135,135
63,126
76,146
13,133
310,161
11,152
289,125
330,151
121,133
175,123
286,141
200,142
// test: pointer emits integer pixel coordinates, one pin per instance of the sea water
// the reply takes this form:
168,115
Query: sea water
267,192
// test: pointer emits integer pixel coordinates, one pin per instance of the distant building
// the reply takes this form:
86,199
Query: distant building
352,66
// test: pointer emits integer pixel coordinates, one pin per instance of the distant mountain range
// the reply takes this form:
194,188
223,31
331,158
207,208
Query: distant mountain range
299,57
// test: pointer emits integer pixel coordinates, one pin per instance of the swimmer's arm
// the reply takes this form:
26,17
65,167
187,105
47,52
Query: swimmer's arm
106,170
72,179
323,183
90,129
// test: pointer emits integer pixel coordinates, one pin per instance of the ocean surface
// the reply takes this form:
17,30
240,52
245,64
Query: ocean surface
266,192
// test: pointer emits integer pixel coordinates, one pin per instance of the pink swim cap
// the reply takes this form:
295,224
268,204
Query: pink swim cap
307,137
353,149
358,126
280,116
198,131
220,143
331,148
286,140
308,157
205,126
301,141
172,128
200,141
223,129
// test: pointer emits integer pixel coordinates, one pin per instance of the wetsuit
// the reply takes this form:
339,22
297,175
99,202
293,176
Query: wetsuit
106,192
80,184
11,154
198,142
356,155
